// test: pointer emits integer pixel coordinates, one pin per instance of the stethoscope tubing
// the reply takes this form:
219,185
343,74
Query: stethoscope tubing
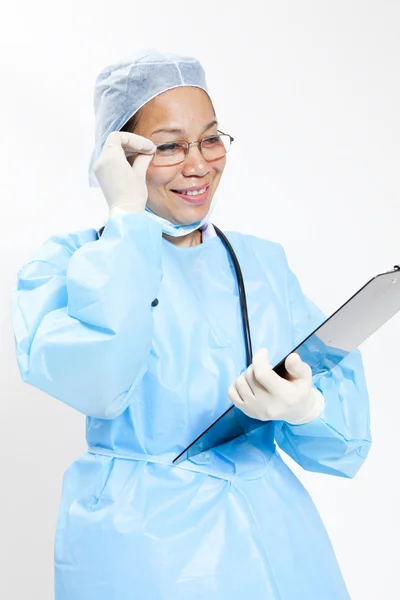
241,289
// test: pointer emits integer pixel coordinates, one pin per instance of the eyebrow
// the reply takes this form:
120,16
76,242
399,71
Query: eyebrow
178,131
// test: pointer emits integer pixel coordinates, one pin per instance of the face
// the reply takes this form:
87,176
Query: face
181,114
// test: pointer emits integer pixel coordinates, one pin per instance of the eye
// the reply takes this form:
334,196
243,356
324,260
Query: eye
169,148
212,141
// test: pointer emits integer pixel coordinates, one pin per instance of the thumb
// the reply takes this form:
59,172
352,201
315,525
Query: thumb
296,368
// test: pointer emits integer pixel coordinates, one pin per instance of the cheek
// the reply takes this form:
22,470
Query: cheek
157,178
219,167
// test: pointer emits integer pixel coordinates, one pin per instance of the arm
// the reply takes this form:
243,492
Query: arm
338,441
82,316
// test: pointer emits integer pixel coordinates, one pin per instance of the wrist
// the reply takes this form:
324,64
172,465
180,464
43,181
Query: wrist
315,405
124,210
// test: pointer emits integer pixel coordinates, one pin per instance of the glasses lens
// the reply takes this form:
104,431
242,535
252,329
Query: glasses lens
216,146
170,154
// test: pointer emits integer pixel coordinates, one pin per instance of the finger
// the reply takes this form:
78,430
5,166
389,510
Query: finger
251,380
237,401
137,143
243,388
261,363
141,163
262,354
234,396
264,373
296,368
129,142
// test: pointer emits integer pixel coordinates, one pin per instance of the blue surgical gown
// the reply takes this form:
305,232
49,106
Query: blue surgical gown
233,522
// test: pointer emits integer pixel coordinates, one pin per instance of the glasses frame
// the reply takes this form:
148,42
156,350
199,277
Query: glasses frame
198,143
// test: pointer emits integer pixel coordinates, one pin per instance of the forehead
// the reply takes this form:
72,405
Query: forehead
182,108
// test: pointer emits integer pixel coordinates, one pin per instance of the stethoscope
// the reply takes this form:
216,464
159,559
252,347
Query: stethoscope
241,288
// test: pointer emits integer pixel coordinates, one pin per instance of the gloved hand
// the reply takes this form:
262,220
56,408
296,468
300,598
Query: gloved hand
123,185
262,394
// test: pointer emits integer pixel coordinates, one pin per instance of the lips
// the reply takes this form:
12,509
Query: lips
195,188
196,199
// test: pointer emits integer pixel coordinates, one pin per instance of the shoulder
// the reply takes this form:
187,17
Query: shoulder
261,249
55,253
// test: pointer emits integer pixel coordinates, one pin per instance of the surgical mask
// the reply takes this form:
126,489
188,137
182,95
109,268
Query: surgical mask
175,230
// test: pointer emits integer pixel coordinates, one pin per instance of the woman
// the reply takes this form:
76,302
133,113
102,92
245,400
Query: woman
140,329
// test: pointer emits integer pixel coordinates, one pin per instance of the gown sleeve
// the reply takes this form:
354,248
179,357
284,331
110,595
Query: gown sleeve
338,441
82,314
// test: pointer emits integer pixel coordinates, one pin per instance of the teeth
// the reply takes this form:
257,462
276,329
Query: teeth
194,192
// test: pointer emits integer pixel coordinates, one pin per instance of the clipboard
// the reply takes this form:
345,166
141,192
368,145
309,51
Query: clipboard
324,348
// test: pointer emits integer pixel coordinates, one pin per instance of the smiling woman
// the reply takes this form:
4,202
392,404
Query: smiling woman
182,190
140,329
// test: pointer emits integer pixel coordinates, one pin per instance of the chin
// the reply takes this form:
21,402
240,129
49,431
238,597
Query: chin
193,214
182,213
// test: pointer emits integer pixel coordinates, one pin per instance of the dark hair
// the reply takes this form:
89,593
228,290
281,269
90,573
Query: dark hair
131,125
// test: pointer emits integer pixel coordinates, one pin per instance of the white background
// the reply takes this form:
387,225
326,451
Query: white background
310,91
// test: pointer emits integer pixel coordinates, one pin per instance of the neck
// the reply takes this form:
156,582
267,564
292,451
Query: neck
185,241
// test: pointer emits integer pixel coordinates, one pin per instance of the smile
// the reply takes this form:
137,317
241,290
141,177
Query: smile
197,195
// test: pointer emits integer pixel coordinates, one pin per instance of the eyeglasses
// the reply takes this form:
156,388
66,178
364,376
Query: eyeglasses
173,153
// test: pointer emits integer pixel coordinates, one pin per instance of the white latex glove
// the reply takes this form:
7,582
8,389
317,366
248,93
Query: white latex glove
123,185
262,394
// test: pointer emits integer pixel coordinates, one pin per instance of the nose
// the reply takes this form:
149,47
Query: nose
195,163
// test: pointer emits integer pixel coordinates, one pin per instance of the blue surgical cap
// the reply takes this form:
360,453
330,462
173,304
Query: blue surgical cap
123,88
